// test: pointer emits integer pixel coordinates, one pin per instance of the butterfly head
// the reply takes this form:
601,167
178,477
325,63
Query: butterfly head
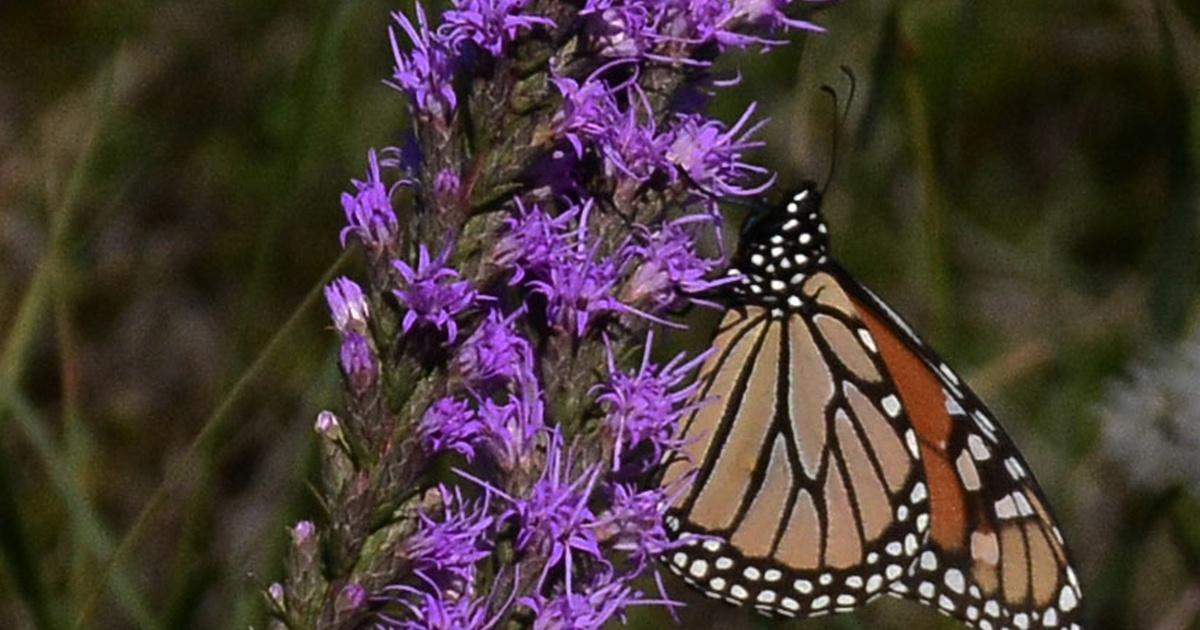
781,246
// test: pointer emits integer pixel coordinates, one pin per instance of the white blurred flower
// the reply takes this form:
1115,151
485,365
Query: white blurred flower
1151,419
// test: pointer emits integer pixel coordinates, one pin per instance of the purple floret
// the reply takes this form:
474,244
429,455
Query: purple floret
643,408
489,24
369,214
495,352
668,271
531,240
450,424
710,155
445,549
433,293
426,72
554,519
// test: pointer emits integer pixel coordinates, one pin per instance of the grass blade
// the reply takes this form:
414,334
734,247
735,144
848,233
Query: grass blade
81,513
217,425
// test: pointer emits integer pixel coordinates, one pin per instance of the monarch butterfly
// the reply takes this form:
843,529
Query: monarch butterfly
842,460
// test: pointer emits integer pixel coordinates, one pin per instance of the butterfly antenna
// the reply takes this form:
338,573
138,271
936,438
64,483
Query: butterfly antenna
841,115
853,88
833,151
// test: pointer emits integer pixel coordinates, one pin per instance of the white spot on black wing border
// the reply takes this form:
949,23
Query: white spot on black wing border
721,571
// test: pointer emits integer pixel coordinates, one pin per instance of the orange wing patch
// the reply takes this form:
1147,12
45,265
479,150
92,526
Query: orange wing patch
923,396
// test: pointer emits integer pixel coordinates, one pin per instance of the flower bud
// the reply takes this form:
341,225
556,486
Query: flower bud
358,363
350,598
328,426
347,305
275,596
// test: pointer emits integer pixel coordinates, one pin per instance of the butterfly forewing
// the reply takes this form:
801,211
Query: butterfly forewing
839,459
808,497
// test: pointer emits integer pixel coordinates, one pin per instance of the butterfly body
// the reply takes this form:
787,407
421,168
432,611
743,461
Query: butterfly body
841,460
781,247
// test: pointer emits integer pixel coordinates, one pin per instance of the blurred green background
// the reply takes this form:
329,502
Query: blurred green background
1018,178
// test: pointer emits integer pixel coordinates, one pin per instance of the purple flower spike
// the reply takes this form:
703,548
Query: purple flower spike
710,155
369,214
433,293
496,352
426,73
347,305
644,407
490,24
627,171
358,362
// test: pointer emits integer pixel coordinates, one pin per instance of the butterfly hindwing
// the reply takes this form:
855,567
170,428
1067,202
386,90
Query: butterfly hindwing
995,557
